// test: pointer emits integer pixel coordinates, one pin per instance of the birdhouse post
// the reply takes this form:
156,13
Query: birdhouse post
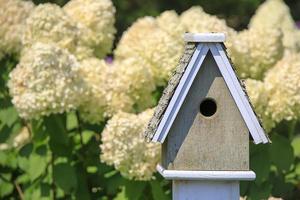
203,120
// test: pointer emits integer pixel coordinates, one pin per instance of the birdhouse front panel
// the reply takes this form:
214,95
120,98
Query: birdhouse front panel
204,116
208,132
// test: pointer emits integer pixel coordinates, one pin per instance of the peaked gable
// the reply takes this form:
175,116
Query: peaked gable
207,139
181,81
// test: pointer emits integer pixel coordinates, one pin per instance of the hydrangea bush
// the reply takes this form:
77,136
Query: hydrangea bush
71,123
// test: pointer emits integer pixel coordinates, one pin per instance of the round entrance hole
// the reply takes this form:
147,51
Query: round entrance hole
208,107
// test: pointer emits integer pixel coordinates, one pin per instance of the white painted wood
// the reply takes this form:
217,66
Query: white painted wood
206,175
238,94
180,93
206,190
204,37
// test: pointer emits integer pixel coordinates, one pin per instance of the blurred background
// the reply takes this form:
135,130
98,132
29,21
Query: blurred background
236,12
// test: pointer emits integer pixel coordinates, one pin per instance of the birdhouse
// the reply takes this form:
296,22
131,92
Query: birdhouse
204,116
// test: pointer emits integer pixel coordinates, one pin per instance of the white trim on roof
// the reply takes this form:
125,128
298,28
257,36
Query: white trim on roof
232,83
206,175
180,93
204,37
238,94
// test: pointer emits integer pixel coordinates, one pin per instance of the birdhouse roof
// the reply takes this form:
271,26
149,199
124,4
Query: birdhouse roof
196,49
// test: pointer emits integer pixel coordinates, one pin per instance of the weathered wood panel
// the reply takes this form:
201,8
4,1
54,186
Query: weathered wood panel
196,142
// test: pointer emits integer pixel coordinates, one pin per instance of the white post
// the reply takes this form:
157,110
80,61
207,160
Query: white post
206,190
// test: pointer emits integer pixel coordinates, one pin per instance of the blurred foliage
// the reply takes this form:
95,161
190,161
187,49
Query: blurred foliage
236,12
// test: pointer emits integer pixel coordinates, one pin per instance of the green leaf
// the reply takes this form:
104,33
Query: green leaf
59,141
113,183
26,150
87,136
82,191
8,133
39,131
281,152
65,177
297,170
41,150
5,188
23,163
262,191
121,195
72,121
134,189
5,133
280,187
8,159
157,191
92,169
8,116
37,166
244,186
260,162
23,178
45,190
296,146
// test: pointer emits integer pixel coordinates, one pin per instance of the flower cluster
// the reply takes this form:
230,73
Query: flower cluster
45,81
205,23
151,41
54,42
282,83
138,82
121,86
275,14
97,17
255,50
259,98
48,23
277,97
125,148
13,14
94,73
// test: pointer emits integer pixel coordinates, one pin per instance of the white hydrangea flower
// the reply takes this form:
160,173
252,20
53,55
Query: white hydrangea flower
99,17
13,14
196,20
48,23
282,83
158,50
255,50
259,98
124,147
139,81
170,22
117,94
94,73
275,14
122,86
45,81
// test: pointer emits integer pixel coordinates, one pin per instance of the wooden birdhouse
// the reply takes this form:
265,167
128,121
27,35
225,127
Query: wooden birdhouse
204,117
